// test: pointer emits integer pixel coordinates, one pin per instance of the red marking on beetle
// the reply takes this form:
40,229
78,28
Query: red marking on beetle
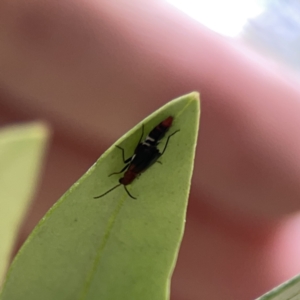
130,174
167,122
145,154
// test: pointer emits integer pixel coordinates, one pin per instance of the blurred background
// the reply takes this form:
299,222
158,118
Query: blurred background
271,27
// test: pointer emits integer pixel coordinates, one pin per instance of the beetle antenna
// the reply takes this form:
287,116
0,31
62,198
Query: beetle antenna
129,193
109,191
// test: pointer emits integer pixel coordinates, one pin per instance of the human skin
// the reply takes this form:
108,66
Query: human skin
93,69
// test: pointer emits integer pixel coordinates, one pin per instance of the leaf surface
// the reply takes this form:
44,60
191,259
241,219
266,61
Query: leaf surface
290,290
114,247
21,152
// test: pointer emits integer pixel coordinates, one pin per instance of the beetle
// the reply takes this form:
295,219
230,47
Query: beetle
145,155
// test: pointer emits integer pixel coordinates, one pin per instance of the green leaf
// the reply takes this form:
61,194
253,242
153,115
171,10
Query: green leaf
289,290
21,151
114,247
